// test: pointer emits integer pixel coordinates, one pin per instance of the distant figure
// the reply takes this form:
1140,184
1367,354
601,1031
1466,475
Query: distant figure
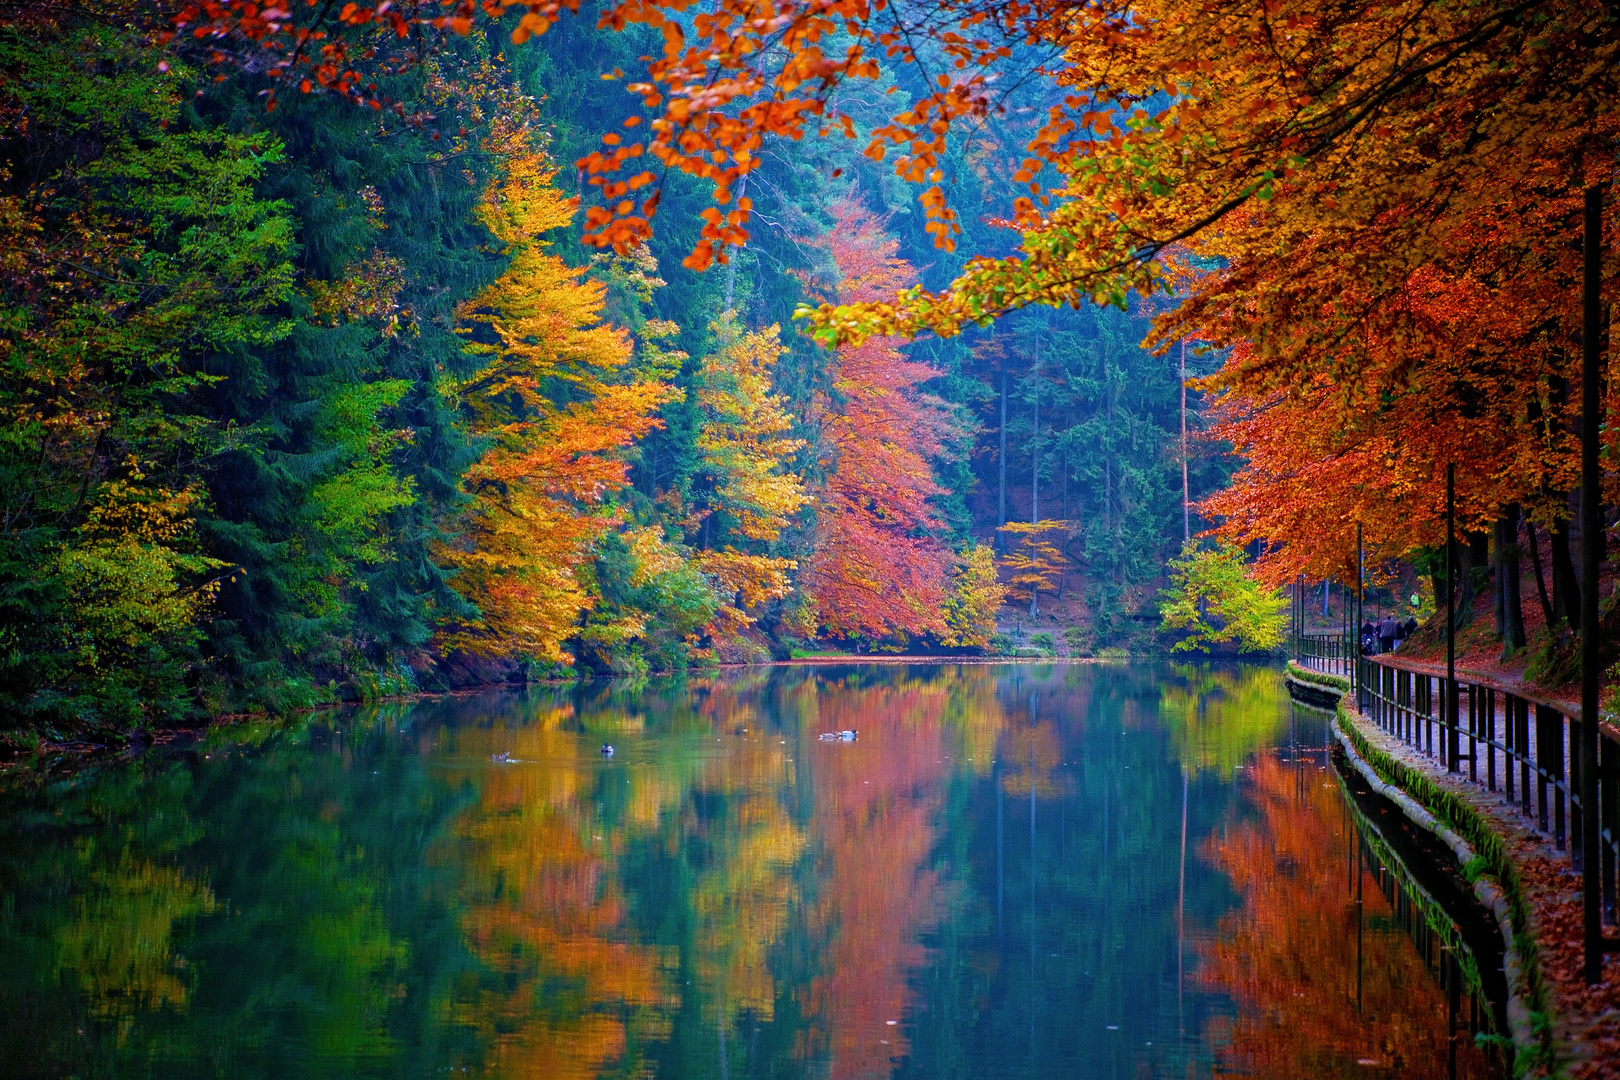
1401,634
1386,633
607,749
1369,638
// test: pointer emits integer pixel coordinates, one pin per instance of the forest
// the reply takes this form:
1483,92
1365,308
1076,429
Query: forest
357,351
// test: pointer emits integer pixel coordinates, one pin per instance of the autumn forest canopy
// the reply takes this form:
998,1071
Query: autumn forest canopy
350,350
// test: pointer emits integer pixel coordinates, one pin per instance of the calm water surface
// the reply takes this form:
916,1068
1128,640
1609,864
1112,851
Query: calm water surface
1032,872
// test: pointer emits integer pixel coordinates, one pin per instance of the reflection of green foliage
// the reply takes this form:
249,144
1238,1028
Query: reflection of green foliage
118,945
1212,597
1218,716
228,915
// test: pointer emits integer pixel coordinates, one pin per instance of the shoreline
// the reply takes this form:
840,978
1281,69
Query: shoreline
86,752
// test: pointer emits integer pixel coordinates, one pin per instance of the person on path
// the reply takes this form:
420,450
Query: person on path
1401,633
1386,633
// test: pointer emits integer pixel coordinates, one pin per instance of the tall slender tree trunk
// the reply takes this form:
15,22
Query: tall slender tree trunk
1541,578
731,260
1186,518
1509,603
1566,588
1035,468
1035,439
1473,552
1108,466
1001,463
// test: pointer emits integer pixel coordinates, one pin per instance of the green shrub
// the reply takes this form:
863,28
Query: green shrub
1082,640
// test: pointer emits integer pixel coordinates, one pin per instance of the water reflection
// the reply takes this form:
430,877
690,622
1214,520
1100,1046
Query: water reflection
1300,928
1013,871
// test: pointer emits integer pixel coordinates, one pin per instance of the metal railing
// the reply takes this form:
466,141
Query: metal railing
1330,653
1529,749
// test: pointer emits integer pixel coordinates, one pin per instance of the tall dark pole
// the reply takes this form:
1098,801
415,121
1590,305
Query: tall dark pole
1448,704
1592,543
1186,516
1355,633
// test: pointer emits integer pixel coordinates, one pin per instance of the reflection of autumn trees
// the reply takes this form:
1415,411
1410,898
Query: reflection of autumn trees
563,994
876,823
742,896
1219,715
120,946
994,864
572,985
1288,951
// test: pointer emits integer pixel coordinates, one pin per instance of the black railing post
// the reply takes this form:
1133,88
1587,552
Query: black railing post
1509,713
1524,758
1609,761
1490,739
1473,733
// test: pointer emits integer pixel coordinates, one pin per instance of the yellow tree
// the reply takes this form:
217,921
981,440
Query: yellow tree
556,419
976,595
1036,563
745,450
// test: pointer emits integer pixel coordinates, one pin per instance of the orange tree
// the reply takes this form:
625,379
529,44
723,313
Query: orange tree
877,570
556,415
1036,562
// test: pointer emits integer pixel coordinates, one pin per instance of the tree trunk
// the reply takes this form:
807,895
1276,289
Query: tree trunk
1566,588
1510,604
1474,552
1541,578
1186,527
1498,594
1001,464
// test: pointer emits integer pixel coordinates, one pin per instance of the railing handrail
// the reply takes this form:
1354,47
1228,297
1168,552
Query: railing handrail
1609,724
1412,715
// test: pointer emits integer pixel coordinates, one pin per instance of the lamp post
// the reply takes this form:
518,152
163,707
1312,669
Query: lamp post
1448,704
1592,543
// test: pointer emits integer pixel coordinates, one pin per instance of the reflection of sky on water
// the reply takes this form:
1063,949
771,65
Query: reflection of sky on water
1032,871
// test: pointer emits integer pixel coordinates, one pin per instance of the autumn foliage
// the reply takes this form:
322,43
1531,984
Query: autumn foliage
1035,562
877,572
558,420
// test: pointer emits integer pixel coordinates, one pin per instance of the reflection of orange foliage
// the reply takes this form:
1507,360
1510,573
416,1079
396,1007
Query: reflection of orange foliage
542,910
565,989
1288,953
877,808
1031,757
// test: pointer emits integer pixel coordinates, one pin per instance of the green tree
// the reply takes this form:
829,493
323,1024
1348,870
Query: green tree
1214,601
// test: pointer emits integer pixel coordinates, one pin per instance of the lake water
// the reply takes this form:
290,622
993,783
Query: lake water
1012,871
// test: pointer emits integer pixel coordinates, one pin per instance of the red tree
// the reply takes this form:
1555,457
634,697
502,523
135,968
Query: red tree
877,569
